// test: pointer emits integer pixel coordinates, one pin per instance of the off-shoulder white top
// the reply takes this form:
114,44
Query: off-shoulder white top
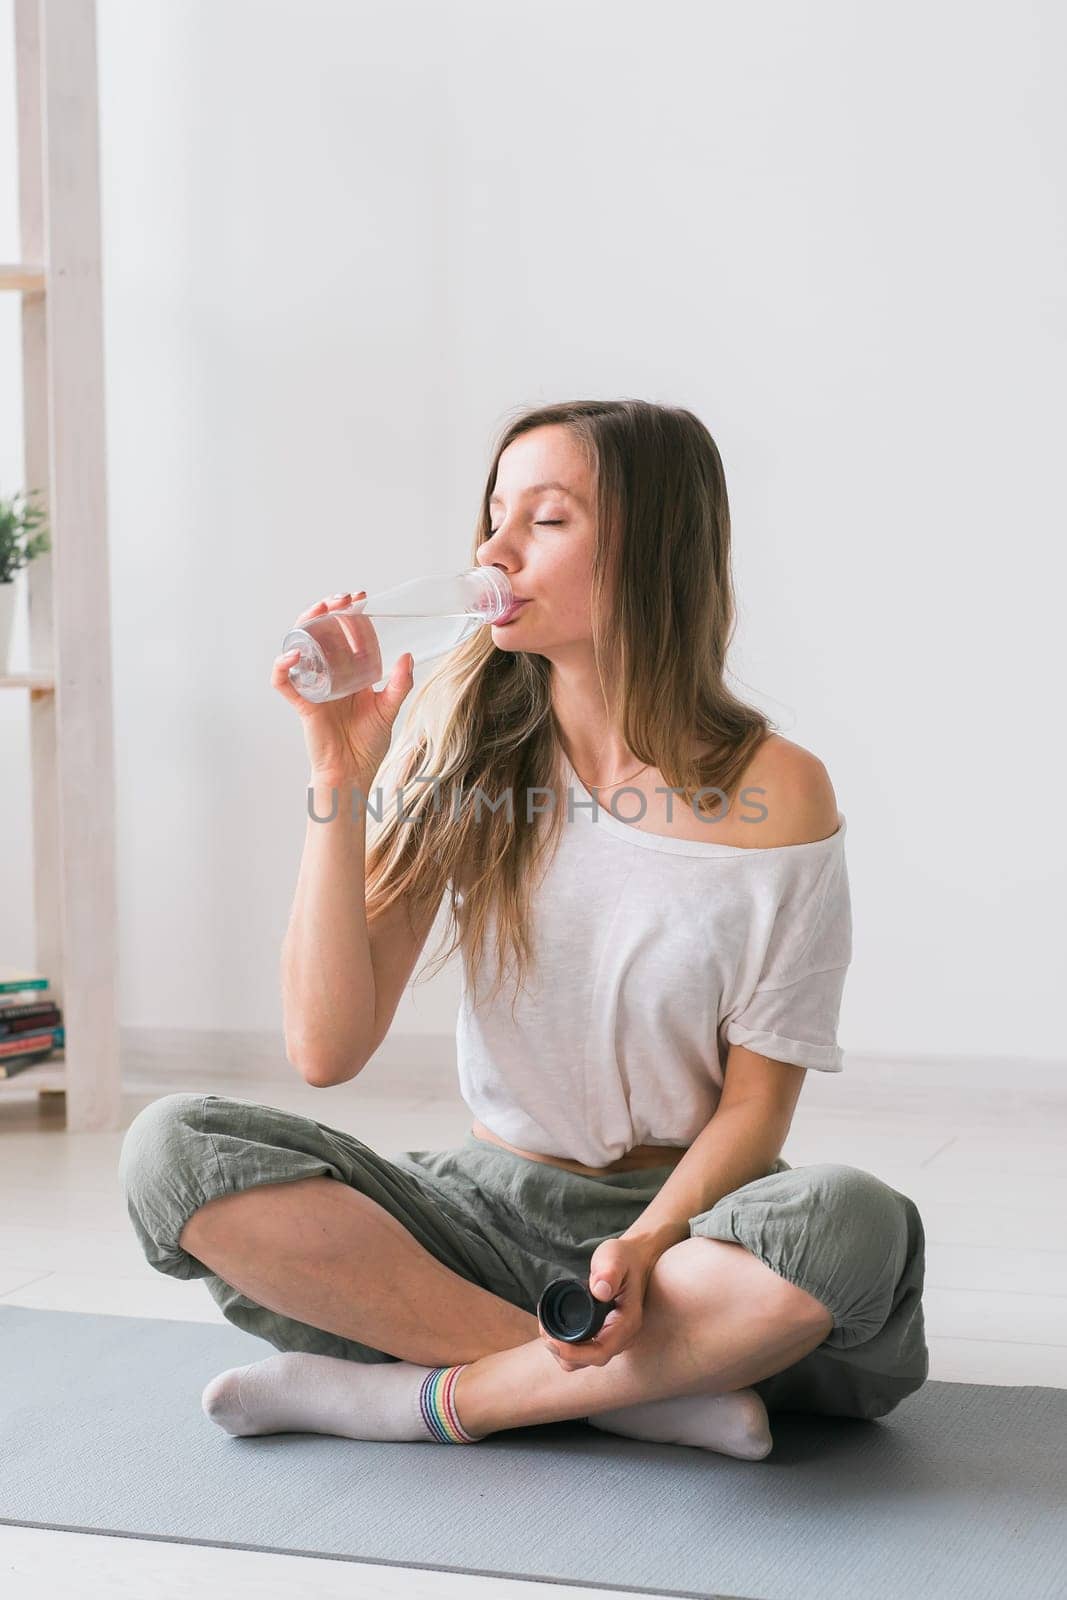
653,955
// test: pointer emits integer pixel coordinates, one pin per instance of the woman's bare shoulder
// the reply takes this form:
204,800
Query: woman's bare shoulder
797,793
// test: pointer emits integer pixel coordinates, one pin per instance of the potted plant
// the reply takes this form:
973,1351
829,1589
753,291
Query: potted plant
23,535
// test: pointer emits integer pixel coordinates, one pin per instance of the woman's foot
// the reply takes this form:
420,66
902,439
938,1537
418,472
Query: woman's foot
297,1392
733,1424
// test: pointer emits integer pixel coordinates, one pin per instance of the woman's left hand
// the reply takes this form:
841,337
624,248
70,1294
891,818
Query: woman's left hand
619,1270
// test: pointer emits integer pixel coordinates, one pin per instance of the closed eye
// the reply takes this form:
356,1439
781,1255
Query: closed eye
557,524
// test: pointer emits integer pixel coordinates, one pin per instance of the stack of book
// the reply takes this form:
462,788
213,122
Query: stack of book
31,1024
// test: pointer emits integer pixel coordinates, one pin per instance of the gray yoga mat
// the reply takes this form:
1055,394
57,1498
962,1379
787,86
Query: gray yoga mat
959,1492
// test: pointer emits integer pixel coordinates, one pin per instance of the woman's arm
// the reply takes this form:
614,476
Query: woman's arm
327,977
741,1142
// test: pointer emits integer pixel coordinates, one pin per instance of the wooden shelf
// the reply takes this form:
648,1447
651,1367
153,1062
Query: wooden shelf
29,680
46,1076
22,280
70,736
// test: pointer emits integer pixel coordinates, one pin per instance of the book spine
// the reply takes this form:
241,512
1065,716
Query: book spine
39,1018
14,1052
11,1069
24,1008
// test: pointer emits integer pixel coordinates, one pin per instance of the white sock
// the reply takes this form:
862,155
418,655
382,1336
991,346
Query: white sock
297,1392
734,1424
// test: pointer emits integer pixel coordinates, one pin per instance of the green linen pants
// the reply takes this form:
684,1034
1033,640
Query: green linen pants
510,1225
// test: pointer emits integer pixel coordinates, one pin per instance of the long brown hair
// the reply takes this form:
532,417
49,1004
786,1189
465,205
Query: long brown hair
663,611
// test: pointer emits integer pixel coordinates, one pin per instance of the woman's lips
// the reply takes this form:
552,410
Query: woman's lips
513,611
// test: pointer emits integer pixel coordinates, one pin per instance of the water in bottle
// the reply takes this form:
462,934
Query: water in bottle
346,650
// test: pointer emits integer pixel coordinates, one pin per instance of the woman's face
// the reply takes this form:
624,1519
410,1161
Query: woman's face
543,540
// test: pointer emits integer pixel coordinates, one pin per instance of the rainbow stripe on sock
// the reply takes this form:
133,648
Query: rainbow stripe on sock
438,1407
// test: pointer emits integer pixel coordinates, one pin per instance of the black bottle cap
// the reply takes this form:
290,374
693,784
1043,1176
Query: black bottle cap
569,1312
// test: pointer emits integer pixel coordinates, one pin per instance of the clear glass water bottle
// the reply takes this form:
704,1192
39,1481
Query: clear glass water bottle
343,651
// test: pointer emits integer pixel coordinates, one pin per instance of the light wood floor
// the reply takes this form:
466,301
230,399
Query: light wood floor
978,1146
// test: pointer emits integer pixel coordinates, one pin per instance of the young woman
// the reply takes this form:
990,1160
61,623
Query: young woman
663,878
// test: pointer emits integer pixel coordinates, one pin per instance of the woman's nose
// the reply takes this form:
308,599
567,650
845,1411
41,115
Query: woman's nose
490,551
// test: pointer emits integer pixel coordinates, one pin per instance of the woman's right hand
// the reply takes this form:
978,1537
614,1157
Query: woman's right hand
347,739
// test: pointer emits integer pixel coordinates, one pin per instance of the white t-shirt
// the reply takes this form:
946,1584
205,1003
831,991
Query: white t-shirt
653,955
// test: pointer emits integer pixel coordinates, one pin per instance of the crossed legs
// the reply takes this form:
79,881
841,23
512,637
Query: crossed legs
715,1318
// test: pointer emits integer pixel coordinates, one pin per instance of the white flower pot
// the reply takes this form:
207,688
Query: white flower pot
7,622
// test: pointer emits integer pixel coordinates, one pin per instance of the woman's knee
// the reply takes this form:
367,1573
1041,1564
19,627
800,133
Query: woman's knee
168,1169
862,1247
833,1230
157,1139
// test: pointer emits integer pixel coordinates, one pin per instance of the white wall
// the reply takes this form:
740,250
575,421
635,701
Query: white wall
343,241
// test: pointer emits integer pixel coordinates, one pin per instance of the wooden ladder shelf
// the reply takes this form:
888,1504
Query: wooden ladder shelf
68,592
